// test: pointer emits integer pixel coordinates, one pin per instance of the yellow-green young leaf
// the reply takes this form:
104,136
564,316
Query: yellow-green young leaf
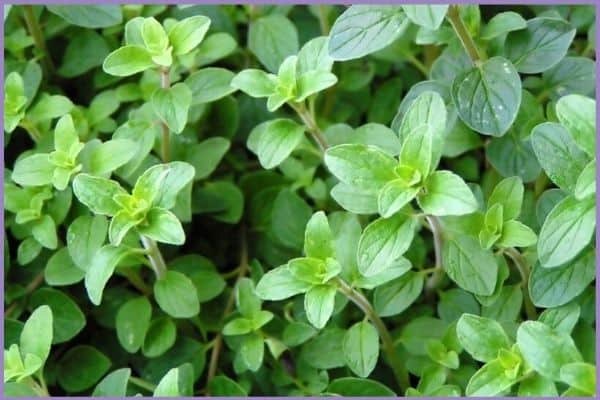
160,337
481,337
318,304
393,196
313,82
119,226
318,240
101,269
445,193
364,29
578,114
154,36
65,135
176,295
586,182
127,60
581,376
172,106
546,350
366,167
361,348
516,234
279,284
14,101
132,322
238,326
396,296
34,170
383,241
313,56
49,107
255,83
273,141
252,351
113,384
566,231
163,226
509,193
489,380
161,184
36,336
97,193
488,96
186,34
428,16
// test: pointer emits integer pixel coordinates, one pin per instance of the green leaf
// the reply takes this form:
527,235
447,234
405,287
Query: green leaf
279,284
361,348
203,273
186,34
67,318
481,337
215,47
163,226
172,106
89,16
558,154
357,201
471,267
363,166
586,182
160,337
383,241
490,380
552,287
176,295
221,385
101,269
508,193
272,39
512,156
273,141
28,250
84,52
417,149
34,170
238,326
567,230
562,319
127,60
427,108
540,46
97,193
255,83
393,196
113,384
428,16
206,155
49,107
313,82
545,349
119,226
110,155
85,236
252,351
325,351
536,385
36,336
488,96
61,270
132,322
313,56
364,29
162,183
395,296
210,84
579,375
318,304
571,75
516,234
295,333
446,194
44,231
289,217
359,387
318,240
503,23
578,114
247,303
81,367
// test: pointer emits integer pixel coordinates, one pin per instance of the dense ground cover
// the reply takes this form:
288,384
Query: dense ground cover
299,200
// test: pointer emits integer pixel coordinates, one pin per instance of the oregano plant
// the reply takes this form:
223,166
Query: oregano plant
299,200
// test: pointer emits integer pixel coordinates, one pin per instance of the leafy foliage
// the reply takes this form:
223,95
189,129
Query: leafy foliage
278,200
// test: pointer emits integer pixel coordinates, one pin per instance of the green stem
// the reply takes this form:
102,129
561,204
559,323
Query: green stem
136,281
309,121
36,387
149,386
463,34
357,298
38,37
416,63
154,255
165,83
323,22
436,230
523,268
33,131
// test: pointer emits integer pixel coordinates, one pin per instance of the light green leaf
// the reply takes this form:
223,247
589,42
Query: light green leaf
113,384
272,38
127,60
85,236
176,295
446,194
417,149
186,34
566,231
313,82
172,106
481,337
97,193
562,319
396,296
516,234
160,337
509,193
255,83
61,270
210,84
44,231
361,348
274,140
132,322
252,351
101,269
392,197
581,376
313,56
36,336
163,226
110,155
427,16
359,387
383,241
490,380
488,96
34,170
578,114
89,15
318,240
502,23
355,200
318,304
364,29
586,182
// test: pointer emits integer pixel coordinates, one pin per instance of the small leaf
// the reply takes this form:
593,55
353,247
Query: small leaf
36,336
279,284
255,83
132,322
34,170
160,337
578,114
361,348
446,194
318,240
275,140
110,155
481,337
163,226
172,106
359,387
318,304
396,296
210,84
127,60
252,351
97,193
186,34
509,193
176,295
101,269
81,367
428,16
113,384
586,182
281,36
502,23
581,376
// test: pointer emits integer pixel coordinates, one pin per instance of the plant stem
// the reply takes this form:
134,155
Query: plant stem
38,37
34,284
357,298
142,383
435,279
309,121
33,131
136,281
463,34
416,63
523,268
165,83
154,255
218,340
323,22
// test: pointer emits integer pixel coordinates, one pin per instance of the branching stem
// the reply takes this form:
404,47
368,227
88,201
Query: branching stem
463,34
309,121
154,255
361,302
435,279
523,268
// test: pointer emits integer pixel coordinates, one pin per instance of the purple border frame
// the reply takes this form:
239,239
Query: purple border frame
306,2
